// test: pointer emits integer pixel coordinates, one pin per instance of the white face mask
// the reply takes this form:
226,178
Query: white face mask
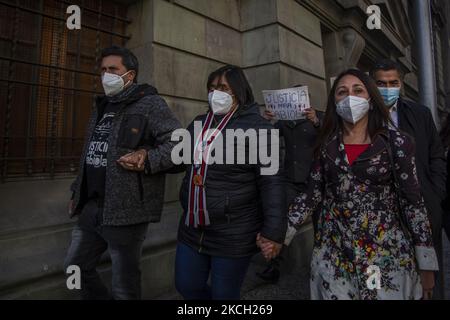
113,83
220,102
352,108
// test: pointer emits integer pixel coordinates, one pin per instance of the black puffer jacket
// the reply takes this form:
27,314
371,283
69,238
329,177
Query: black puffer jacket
240,201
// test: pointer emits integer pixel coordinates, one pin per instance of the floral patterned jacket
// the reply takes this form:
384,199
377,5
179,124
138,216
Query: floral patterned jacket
359,225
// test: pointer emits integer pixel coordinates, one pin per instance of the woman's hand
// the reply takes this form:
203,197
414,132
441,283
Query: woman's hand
269,248
427,279
134,161
311,115
269,115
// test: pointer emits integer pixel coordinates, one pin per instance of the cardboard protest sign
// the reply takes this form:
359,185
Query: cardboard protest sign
287,104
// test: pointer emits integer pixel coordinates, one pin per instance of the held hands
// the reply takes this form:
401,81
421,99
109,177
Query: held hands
269,248
427,279
134,161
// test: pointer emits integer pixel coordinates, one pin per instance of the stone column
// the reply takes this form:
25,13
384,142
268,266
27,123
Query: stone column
343,50
282,47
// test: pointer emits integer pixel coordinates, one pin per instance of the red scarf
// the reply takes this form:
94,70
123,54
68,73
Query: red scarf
197,214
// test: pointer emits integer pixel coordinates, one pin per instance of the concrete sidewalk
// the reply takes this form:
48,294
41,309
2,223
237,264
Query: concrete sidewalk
294,284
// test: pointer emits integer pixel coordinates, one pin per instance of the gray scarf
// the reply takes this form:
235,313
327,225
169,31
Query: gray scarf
124,94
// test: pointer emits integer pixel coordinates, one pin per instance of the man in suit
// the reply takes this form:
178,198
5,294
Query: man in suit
417,121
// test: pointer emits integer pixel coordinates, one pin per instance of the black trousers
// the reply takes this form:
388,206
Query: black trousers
90,240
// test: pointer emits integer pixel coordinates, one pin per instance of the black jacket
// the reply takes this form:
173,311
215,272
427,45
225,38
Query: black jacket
446,204
300,137
417,121
241,202
145,121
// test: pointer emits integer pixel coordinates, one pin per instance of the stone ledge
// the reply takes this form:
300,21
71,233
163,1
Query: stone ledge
37,259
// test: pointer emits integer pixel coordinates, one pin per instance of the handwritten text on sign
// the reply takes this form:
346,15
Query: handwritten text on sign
287,104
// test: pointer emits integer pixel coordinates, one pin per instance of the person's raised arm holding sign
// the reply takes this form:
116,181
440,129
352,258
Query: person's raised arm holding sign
299,140
309,113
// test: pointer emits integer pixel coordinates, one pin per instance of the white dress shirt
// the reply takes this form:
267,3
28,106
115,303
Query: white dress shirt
394,115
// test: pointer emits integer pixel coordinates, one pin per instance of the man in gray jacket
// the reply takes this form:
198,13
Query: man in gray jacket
114,200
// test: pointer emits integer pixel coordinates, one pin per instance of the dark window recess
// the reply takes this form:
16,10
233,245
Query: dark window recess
48,79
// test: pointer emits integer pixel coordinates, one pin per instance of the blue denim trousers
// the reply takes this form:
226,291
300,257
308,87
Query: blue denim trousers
90,240
193,269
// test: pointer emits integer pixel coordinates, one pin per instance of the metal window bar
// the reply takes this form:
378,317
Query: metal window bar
57,41
9,94
37,64
63,18
75,79
30,83
85,8
62,87
97,47
34,94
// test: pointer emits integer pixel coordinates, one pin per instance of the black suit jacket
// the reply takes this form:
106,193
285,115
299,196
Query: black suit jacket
300,138
417,121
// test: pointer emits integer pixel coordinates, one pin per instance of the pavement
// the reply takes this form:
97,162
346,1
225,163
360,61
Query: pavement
294,284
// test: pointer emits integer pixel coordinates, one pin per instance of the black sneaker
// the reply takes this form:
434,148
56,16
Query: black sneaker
271,274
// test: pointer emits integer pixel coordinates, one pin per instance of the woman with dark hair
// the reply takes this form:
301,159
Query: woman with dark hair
227,208
373,237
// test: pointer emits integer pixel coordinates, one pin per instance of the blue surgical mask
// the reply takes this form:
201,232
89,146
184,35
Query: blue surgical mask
390,95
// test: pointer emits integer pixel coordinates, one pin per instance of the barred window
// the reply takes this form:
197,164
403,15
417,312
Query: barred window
48,78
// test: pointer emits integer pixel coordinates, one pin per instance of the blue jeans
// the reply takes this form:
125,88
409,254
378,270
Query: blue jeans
192,270
90,240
